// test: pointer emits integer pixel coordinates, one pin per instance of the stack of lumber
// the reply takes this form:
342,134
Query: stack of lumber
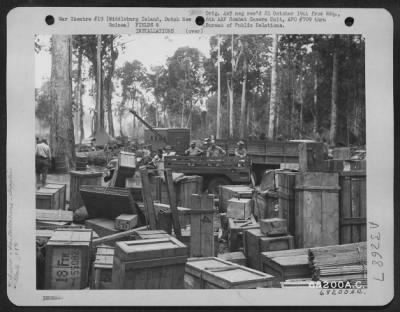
343,262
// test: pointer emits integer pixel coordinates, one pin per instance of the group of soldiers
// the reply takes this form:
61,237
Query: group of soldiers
213,150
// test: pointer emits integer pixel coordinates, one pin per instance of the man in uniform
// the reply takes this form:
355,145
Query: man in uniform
240,151
42,160
193,150
215,151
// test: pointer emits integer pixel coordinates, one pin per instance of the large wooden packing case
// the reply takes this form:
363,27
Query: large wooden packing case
68,259
149,264
215,273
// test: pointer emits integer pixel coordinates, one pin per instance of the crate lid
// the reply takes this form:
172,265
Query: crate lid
43,191
54,215
55,185
127,217
237,188
71,237
242,224
211,267
150,249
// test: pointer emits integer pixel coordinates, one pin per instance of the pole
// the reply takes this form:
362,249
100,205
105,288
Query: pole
219,92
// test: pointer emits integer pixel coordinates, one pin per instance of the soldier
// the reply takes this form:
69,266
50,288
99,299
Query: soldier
193,150
215,150
240,151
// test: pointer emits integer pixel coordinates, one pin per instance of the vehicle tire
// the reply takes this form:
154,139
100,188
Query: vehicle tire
214,183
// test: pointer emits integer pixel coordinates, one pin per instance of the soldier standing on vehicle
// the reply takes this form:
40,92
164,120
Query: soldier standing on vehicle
193,150
240,151
215,150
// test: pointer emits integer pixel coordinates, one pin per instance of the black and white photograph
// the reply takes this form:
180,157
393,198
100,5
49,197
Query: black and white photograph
212,161
214,155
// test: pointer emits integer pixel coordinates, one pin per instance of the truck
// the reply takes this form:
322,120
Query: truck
262,155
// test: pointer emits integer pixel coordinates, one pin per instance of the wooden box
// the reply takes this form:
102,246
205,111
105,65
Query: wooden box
54,215
236,257
226,192
215,273
352,207
286,181
236,229
78,178
47,199
255,243
273,227
107,202
126,222
68,259
126,163
317,209
312,156
102,226
286,264
149,264
62,192
102,268
239,208
187,237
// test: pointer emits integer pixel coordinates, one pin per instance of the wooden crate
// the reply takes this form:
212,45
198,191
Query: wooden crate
312,156
126,163
62,193
286,264
125,222
149,264
78,178
235,232
102,226
215,273
239,208
353,207
226,192
236,257
68,259
47,199
346,165
54,215
102,268
286,181
317,209
107,202
186,238
255,243
273,226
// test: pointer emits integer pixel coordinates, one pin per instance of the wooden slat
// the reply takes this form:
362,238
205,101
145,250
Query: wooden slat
147,199
115,237
172,202
355,208
345,204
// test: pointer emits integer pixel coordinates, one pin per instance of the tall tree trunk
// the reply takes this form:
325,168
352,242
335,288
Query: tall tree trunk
100,109
315,98
332,133
81,115
301,103
219,91
230,94
273,98
108,88
243,100
78,97
62,141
